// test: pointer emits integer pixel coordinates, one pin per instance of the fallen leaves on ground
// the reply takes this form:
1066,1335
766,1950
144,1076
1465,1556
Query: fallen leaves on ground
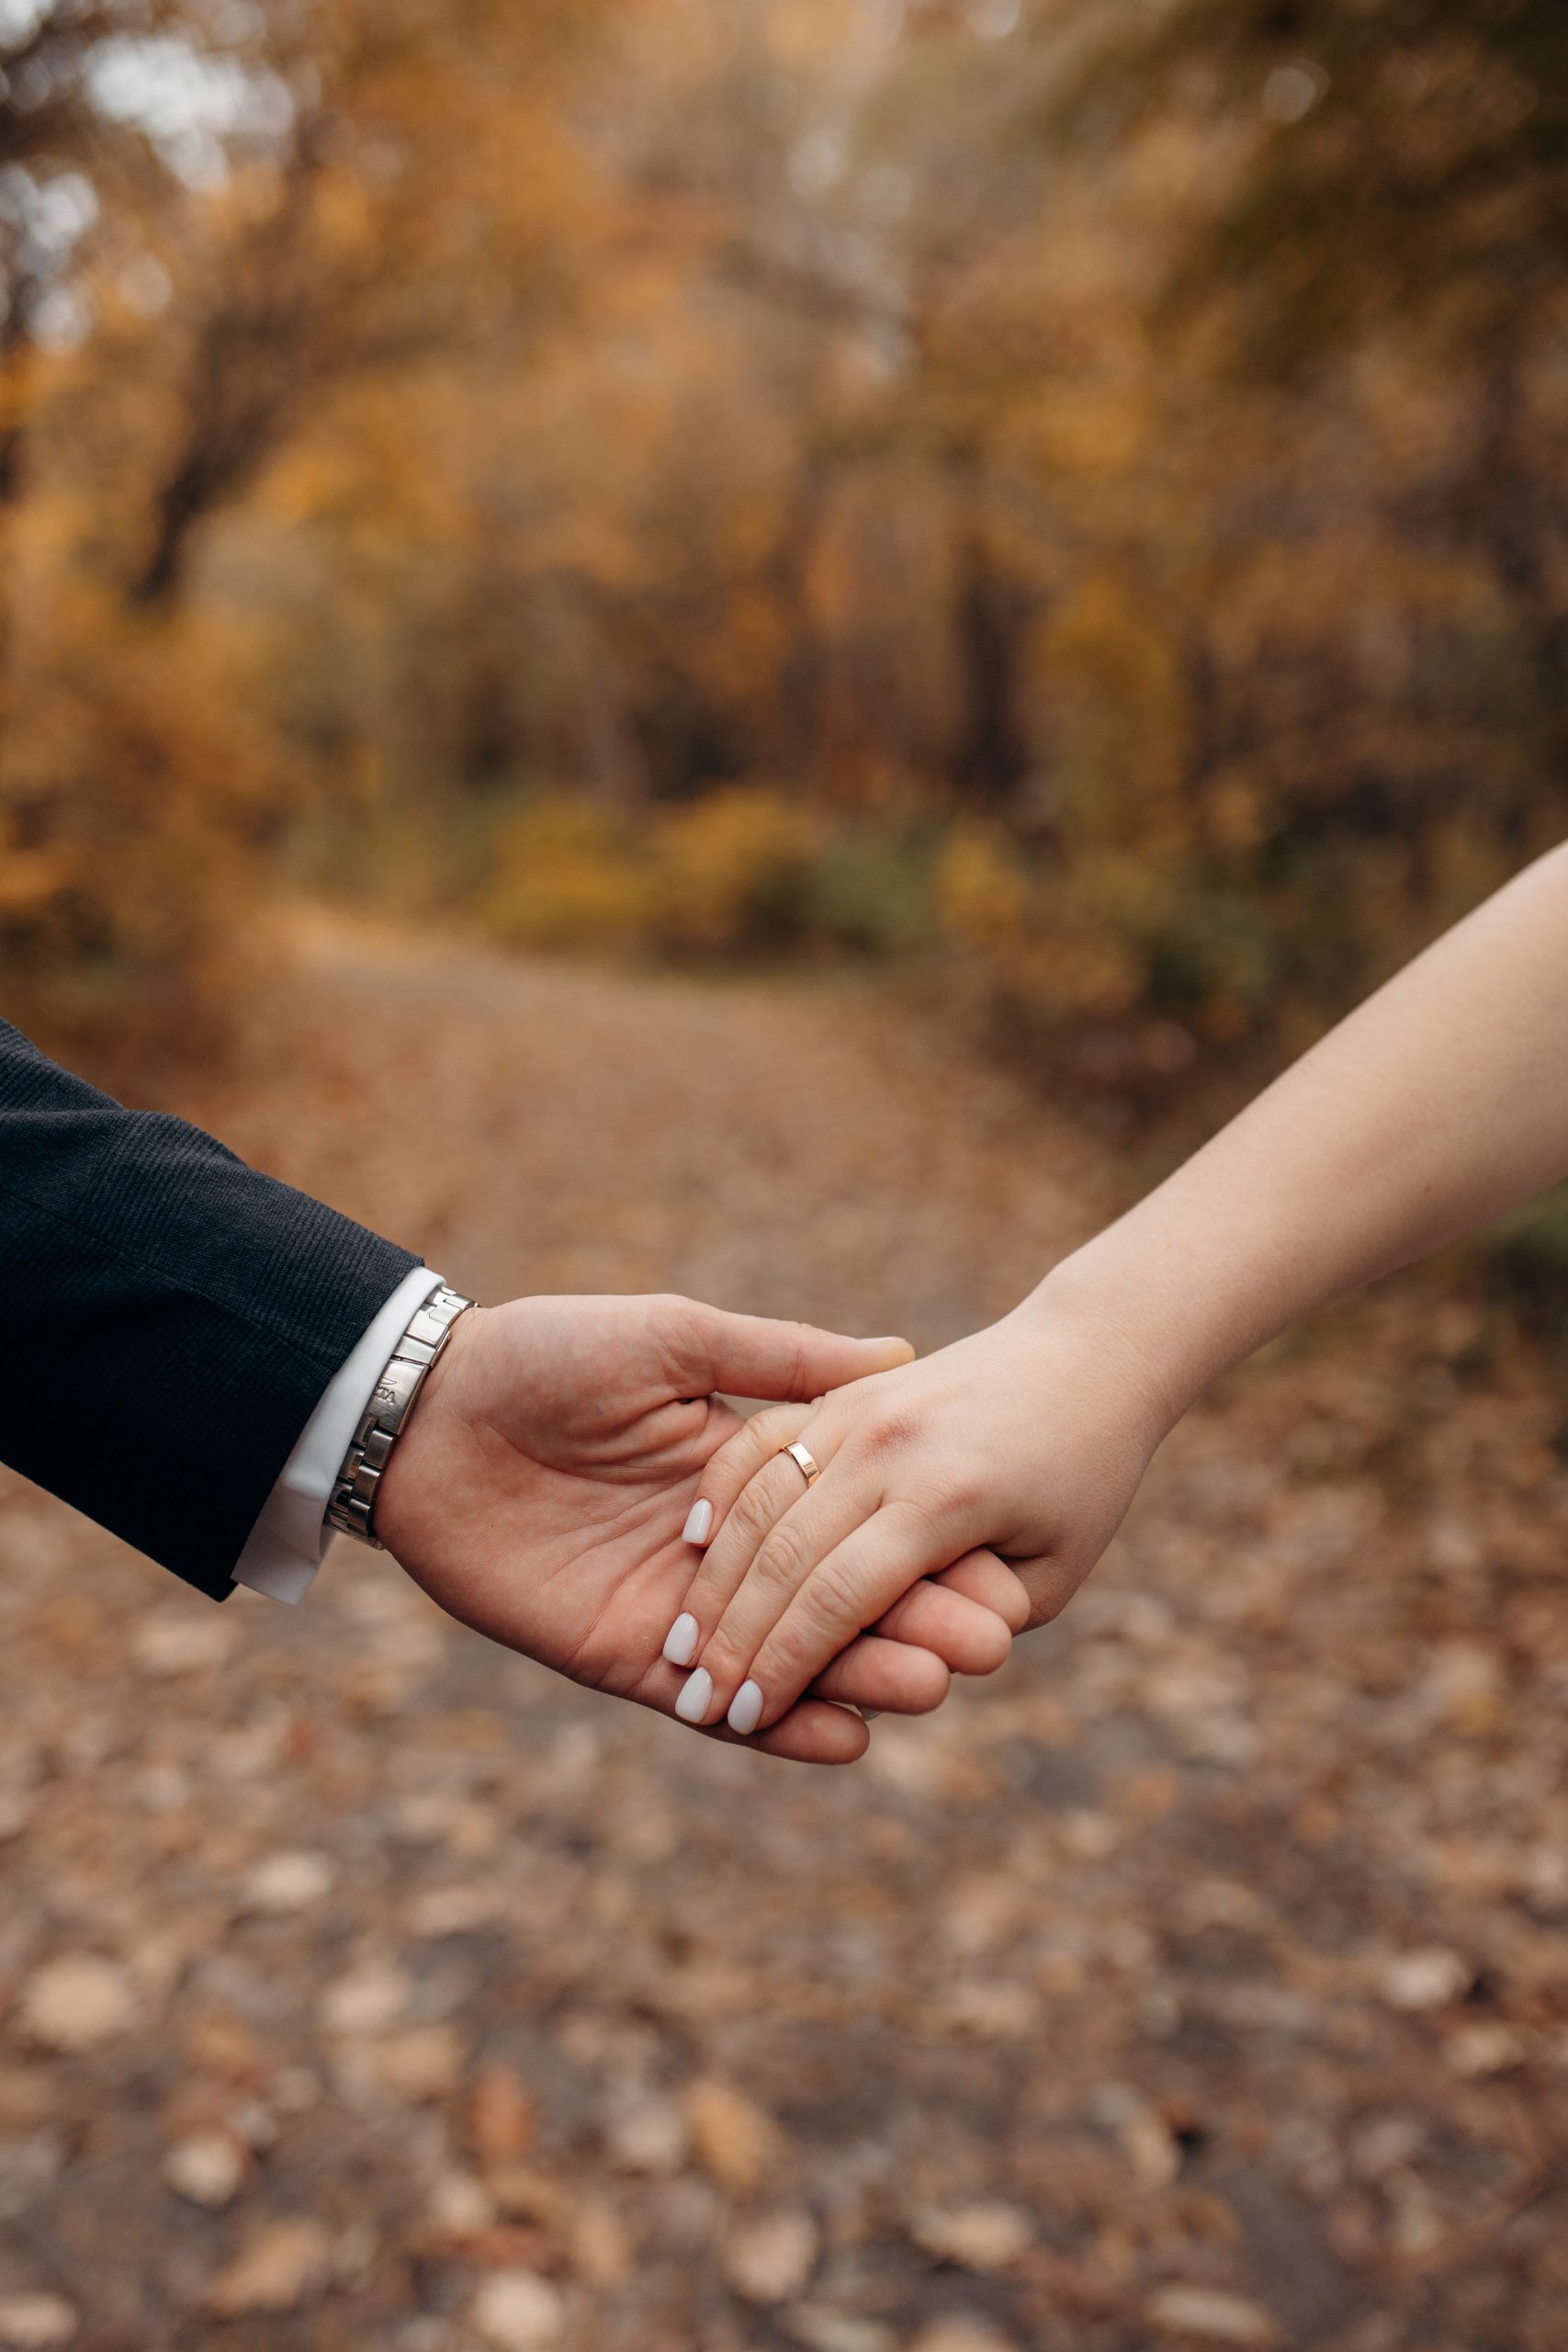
1198,1982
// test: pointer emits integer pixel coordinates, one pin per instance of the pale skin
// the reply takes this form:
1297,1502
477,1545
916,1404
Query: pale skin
1441,1102
540,1488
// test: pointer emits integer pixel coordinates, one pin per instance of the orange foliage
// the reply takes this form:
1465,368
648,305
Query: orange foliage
693,478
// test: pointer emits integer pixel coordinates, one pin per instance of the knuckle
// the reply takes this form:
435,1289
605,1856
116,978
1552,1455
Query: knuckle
740,1457
889,1433
681,1329
784,1558
948,1501
799,1347
833,1600
779,1426
706,1608
908,1616
787,1660
924,1514
751,1514
725,1660
959,1494
801,1644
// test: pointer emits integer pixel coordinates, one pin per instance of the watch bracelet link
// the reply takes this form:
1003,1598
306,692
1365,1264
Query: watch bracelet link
351,1510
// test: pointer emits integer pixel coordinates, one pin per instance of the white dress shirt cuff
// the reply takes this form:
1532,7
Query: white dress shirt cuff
285,1547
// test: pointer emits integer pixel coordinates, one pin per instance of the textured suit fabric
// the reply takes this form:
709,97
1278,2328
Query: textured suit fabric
171,1316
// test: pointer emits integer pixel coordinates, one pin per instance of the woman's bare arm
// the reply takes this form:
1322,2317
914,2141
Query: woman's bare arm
1440,1103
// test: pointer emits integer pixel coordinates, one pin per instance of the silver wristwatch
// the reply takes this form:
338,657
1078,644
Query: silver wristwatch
353,1506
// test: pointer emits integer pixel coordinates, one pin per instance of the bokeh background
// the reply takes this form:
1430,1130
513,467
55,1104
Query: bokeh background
776,647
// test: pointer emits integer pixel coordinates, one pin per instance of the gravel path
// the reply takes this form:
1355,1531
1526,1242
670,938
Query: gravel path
1198,1983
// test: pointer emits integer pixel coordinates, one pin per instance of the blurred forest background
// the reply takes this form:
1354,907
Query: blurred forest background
1066,497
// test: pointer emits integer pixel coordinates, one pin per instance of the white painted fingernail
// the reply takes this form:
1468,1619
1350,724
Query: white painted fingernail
696,1698
698,1527
681,1641
745,1709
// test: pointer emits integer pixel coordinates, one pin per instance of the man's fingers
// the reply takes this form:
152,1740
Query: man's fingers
981,1577
749,1356
815,1731
1048,1584
889,1677
963,1633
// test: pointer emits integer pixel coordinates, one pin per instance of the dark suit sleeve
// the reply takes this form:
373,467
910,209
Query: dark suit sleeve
171,1316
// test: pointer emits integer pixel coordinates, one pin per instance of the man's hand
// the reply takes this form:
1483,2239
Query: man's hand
540,1488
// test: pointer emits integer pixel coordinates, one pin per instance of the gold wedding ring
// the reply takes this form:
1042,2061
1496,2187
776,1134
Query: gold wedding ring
802,1462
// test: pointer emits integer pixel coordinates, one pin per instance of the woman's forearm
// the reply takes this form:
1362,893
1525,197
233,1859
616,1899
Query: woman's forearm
1440,1103
1443,1101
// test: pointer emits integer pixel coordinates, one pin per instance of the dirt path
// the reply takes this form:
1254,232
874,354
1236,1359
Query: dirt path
1201,1982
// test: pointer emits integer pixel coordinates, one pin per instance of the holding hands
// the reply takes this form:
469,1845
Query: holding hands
850,1546
572,1484
541,1488
1437,1105
1029,1439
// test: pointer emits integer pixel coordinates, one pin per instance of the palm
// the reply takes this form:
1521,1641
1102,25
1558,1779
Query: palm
580,1467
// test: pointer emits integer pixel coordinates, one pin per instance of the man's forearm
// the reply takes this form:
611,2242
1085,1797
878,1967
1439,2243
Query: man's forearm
176,1316
1439,1104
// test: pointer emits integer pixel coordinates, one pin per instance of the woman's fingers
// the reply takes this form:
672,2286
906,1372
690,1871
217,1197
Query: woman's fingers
885,1676
815,1731
768,1535
894,1675
773,1538
797,1609
905,1666
736,1463
776,1521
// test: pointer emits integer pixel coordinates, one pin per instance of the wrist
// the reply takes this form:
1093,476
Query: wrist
406,1477
1124,1327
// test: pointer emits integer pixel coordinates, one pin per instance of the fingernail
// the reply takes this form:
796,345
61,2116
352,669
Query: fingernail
681,1641
696,1698
745,1709
699,1525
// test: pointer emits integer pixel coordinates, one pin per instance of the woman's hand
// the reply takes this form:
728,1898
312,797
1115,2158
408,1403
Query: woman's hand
539,1493
1029,1439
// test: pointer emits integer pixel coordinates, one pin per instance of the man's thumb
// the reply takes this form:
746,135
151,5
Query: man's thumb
789,1363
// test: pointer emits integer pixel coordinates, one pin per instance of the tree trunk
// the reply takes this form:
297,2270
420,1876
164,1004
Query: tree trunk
1508,500
992,615
802,670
